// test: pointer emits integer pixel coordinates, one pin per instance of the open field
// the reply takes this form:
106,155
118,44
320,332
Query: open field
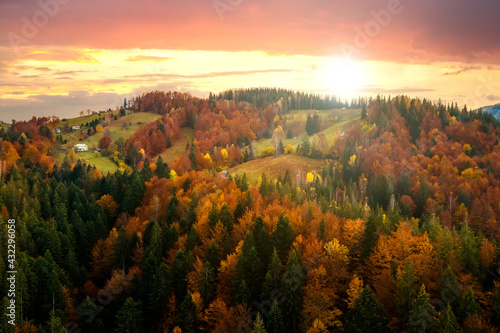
332,123
274,166
179,146
104,164
123,127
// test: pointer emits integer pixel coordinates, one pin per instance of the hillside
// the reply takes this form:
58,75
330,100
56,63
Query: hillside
381,213
493,109
273,167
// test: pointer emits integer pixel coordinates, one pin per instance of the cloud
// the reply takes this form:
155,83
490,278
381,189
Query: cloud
463,70
69,72
493,98
380,90
140,58
422,31
60,55
210,74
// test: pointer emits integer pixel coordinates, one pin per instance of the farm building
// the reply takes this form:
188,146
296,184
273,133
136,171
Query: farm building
81,147
75,127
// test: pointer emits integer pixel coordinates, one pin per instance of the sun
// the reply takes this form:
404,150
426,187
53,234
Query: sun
344,77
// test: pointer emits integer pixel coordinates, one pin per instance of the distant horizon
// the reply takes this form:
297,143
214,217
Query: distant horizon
112,107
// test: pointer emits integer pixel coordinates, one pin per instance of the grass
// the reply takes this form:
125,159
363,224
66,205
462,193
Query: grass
116,129
103,164
272,167
80,120
333,122
179,146
123,127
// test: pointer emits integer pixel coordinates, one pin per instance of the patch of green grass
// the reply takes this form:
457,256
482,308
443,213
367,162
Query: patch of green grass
122,127
333,122
104,164
272,167
179,146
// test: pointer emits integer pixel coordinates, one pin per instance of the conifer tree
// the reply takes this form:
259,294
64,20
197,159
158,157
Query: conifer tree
422,313
129,318
448,322
366,315
275,321
258,325
293,280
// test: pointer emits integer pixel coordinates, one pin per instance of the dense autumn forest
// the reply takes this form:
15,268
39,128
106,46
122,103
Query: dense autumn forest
398,231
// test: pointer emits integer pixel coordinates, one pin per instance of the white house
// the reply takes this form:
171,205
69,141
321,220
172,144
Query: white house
81,147
75,127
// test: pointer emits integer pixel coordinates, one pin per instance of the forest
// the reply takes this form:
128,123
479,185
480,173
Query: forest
398,231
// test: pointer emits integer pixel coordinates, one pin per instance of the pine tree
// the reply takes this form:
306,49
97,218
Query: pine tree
448,322
172,215
275,321
193,239
363,112
89,319
129,318
213,215
261,240
188,315
179,272
226,217
283,237
54,324
366,315
243,295
422,313
272,282
133,193
406,290
207,283
213,256
169,236
121,249
449,288
293,280
468,305
258,325
162,170
146,172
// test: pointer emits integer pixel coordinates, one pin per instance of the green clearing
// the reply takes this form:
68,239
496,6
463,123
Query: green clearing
122,127
103,164
274,166
333,122
179,146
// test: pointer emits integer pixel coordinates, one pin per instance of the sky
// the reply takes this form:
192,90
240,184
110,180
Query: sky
59,57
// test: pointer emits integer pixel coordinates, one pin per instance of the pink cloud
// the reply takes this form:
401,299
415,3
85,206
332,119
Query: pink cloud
424,30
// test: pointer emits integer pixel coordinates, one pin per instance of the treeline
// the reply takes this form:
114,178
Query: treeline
285,99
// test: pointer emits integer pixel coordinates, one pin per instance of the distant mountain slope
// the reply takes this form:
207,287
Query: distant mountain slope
493,109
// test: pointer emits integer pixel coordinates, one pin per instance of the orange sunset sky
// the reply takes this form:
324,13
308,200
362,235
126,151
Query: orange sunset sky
58,57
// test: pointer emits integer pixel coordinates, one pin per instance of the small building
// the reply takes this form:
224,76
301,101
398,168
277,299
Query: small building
81,147
75,127
58,130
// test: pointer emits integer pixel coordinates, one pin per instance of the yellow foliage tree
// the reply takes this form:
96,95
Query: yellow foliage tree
289,149
354,291
309,177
